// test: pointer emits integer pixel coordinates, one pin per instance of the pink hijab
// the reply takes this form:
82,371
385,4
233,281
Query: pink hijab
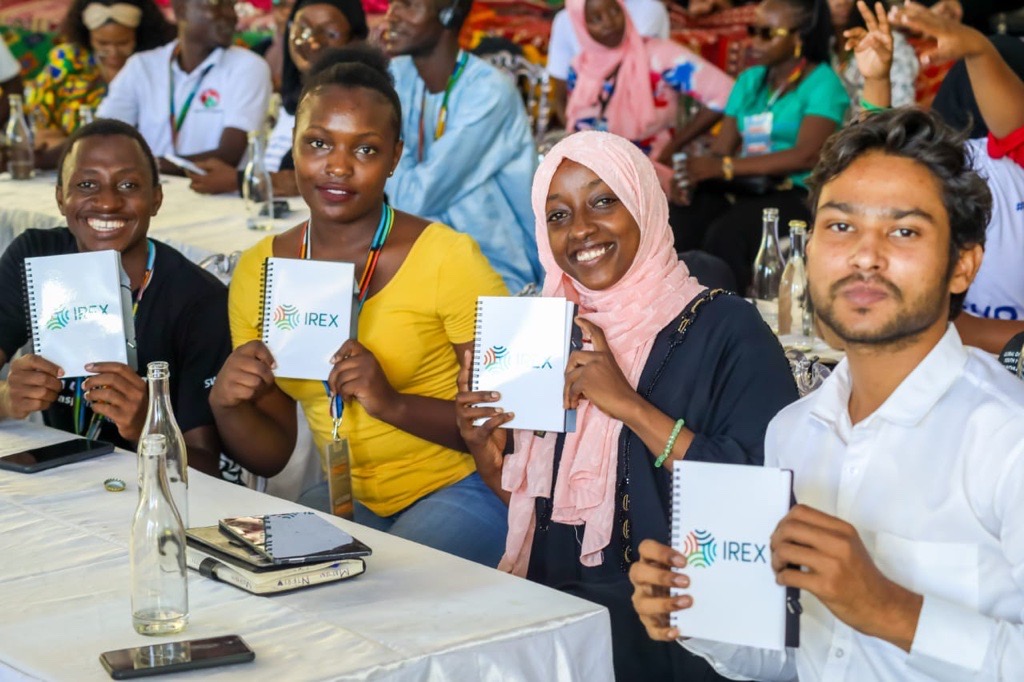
631,313
631,111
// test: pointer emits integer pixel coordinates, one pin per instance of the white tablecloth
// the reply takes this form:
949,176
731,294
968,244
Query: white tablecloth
416,614
199,225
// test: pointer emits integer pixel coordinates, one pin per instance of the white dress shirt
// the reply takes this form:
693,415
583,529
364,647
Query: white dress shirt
934,483
649,16
233,94
998,289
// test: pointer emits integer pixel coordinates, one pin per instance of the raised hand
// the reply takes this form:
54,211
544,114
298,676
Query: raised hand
485,442
247,375
872,45
949,39
119,394
32,385
357,375
595,376
652,576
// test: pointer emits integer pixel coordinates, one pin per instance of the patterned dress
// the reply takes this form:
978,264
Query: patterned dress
70,79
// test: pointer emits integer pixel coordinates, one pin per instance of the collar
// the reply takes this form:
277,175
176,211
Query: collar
212,58
912,400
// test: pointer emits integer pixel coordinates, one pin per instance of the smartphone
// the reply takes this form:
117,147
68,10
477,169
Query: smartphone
170,657
58,454
184,164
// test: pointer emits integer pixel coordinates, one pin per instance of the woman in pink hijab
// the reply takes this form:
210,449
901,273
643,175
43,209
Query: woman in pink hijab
629,85
667,367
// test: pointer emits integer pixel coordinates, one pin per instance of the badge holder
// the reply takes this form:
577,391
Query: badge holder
339,474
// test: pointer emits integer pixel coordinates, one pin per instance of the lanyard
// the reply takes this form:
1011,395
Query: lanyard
442,115
794,75
79,402
179,119
380,236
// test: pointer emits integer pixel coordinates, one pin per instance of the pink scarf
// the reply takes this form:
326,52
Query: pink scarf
631,111
631,313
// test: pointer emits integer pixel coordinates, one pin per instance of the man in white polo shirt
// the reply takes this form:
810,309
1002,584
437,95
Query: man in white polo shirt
649,16
197,97
908,462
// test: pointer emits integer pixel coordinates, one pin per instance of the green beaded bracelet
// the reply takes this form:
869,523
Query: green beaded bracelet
871,108
670,444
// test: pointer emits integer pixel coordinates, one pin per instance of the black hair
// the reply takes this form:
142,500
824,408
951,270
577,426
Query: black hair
461,9
955,101
107,127
153,29
357,66
291,79
814,25
922,137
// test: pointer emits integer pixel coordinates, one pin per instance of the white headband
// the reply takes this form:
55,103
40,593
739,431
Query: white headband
96,15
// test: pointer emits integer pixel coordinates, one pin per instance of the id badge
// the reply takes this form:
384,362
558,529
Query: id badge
757,134
339,478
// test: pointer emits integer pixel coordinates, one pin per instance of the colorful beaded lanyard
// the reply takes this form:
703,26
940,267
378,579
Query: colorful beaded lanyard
442,115
794,75
380,236
78,407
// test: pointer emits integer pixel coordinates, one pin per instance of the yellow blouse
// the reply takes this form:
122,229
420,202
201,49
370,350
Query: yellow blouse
410,326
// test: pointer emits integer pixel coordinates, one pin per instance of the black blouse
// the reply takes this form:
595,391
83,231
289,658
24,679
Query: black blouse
719,367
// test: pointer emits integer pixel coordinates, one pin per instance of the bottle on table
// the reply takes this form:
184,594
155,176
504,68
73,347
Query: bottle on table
85,115
257,189
159,583
768,268
680,179
20,152
160,420
795,315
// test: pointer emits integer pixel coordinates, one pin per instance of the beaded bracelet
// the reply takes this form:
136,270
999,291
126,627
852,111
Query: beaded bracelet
670,444
871,108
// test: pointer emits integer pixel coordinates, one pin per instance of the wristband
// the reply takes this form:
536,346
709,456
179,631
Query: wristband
869,107
727,173
670,444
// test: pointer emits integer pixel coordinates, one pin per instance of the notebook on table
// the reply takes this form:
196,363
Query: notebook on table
80,310
520,350
306,310
723,516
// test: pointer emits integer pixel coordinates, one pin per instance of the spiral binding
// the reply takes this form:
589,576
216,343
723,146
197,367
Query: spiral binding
266,281
31,308
676,534
478,341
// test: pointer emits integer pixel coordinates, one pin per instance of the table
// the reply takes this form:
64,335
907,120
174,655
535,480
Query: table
416,614
198,225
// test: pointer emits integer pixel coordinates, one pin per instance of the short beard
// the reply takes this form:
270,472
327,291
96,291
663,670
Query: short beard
906,325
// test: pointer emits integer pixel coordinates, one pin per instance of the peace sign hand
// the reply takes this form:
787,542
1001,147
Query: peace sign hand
872,45
595,376
948,39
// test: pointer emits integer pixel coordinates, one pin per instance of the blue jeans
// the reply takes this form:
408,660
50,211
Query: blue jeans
465,519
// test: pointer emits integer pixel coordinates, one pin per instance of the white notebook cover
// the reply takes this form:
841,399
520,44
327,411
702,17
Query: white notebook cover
80,309
521,349
307,314
723,516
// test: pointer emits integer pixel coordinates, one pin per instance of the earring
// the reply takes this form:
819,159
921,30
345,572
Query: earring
391,173
799,51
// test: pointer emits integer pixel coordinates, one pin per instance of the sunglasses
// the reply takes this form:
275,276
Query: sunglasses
767,33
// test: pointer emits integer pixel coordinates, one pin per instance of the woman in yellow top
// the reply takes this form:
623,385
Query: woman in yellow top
99,37
410,473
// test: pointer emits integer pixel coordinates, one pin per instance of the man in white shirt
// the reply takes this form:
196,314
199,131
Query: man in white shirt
649,16
908,462
196,97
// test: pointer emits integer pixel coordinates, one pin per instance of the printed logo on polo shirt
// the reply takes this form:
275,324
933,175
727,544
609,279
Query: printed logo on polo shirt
209,98
501,358
288,317
62,317
702,549
1020,205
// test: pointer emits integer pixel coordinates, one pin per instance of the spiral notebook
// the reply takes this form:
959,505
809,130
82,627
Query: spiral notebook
307,310
723,516
80,310
521,348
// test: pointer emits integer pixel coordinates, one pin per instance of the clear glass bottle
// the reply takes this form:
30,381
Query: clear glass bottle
21,157
85,115
795,315
257,189
159,582
160,419
768,266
